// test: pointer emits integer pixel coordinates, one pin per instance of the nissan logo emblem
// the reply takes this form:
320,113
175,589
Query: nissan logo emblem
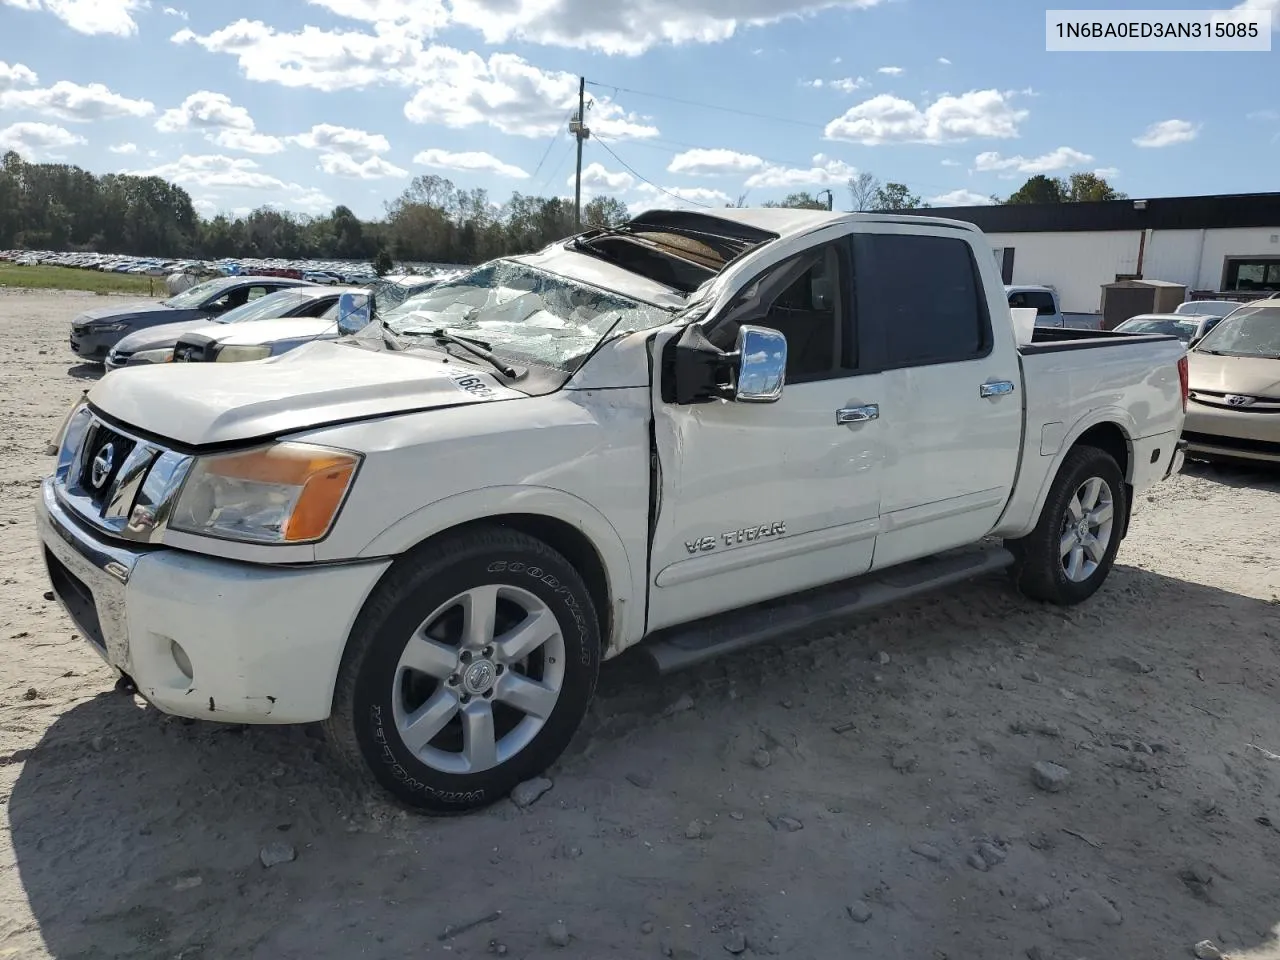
100,470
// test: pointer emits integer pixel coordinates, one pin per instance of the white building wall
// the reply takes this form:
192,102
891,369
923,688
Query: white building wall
1219,244
1077,264
1174,255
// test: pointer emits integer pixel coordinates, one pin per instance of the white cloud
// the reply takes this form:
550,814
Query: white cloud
453,88
944,61
17,75
849,84
310,200
1168,132
473,162
124,148
960,198
174,12
825,172
72,101
215,170
325,60
34,140
206,208
374,168
713,163
679,198
596,179
949,119
113,17
220,121
632,27
1059,159
419,16
950,163
891,71
1272,5
329,138
463,89
1107,173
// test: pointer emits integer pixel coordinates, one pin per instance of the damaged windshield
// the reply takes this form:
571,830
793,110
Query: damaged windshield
523,313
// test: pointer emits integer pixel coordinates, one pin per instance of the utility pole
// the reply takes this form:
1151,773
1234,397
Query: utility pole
578,127
831,199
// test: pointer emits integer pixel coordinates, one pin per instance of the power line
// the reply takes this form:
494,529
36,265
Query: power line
707,106
648,181
554,137
555,171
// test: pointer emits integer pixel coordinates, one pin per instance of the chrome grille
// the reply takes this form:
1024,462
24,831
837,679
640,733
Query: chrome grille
1239,402
117,482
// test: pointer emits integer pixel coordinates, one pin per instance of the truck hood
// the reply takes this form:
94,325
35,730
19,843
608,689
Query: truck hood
269,331
198,404
1249,376
152,338
120,310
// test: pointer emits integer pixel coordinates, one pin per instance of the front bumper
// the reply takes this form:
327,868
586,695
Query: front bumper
90,344
1234,433
206,638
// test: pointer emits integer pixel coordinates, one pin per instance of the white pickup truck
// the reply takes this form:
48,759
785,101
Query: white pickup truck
695,432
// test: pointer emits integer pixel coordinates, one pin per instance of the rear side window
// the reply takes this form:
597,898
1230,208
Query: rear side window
923,297
1043,302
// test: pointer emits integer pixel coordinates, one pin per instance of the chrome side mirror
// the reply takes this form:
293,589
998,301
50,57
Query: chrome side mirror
762,365
355,310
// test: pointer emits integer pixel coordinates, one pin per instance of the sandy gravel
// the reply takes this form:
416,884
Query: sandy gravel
717,811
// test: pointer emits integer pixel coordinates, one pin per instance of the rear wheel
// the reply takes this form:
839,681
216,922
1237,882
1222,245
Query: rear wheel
1068,555
468,671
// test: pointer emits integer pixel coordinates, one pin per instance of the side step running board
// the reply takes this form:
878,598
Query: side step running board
688,644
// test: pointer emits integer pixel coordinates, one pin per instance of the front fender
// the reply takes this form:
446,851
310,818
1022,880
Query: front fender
625,579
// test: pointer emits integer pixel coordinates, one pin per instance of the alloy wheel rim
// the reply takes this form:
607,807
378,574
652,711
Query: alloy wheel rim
1087,527
478,679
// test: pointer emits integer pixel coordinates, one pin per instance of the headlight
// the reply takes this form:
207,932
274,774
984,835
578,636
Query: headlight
233,353
66,441
161,355
107,327
285,493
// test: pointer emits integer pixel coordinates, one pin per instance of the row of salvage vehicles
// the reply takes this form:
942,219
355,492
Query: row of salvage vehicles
429,532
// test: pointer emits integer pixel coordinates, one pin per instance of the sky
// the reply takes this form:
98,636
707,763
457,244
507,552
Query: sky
305,104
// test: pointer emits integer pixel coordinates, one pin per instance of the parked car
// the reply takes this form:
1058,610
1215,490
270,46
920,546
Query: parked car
1234,403
95,332
1043,299
156,344
261,338
693,433
1183,326
1208,308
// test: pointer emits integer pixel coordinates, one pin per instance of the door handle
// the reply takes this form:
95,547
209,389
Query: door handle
996,388
858,414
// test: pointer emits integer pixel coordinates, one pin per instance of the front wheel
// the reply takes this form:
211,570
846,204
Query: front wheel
1068,555
468,671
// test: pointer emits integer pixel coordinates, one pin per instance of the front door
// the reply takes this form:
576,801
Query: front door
952,391
762,500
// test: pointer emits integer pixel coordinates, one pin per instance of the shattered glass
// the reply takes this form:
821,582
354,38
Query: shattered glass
523,314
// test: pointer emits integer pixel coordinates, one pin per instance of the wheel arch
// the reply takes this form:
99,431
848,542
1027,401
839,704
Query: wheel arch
1110,429
567,524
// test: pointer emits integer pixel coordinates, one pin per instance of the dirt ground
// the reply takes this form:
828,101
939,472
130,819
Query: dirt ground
866,794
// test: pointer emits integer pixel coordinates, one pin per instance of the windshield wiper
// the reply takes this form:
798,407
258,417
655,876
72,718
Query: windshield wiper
476,348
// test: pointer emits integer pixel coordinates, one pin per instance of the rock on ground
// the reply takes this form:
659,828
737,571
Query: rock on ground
526,794
274,854
1049,776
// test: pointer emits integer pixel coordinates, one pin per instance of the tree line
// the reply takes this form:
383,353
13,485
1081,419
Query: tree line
55,206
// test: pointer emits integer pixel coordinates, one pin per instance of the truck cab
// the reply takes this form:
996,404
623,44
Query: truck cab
1044,300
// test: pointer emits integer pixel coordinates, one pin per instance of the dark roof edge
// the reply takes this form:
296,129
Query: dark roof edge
1235,210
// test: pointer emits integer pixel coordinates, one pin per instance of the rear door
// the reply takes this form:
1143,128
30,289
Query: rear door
951,399
760,500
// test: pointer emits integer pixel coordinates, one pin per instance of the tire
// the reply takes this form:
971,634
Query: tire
416,662
1055,563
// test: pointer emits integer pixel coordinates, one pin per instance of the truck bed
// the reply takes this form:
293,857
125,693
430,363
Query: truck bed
1058,339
